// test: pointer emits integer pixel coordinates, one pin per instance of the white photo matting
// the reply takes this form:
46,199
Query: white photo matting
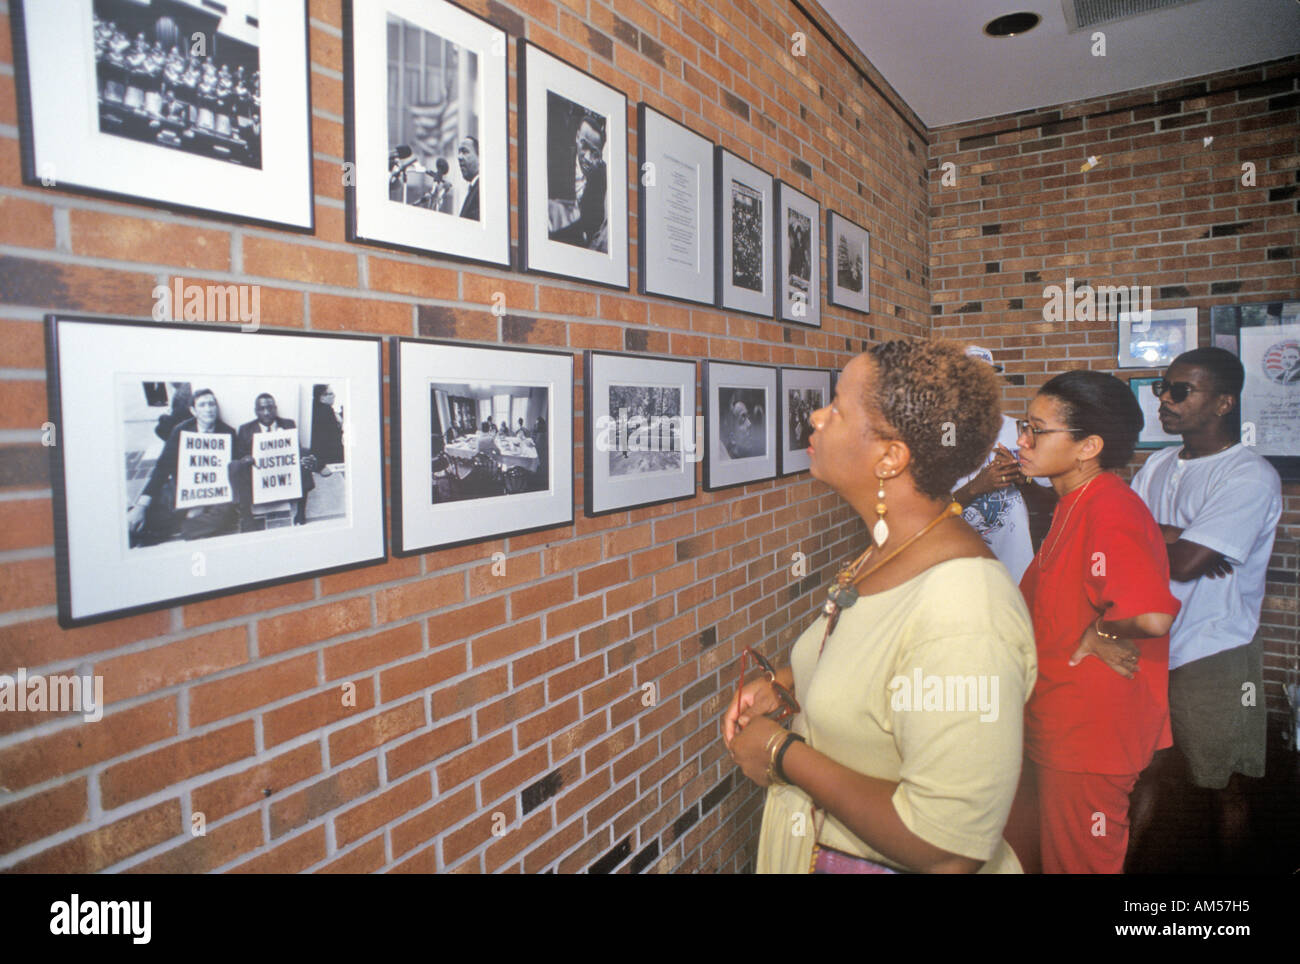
152,502
200,106
482,442
1153,339
675,189
573,171
802,391
848,263
432,151
798,283
740,416
744,225
640,446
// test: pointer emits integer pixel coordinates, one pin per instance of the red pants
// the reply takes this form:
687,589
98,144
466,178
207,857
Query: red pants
1070,823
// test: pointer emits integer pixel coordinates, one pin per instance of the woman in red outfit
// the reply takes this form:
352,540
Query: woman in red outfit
1098,593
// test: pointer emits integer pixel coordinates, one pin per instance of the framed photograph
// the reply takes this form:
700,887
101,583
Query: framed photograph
848,263
640,446
798,257
1266,337
425,98
194,460
740,416
478,453
1153,339
198,106
744,227
802,391
1152,435
675,228
573,171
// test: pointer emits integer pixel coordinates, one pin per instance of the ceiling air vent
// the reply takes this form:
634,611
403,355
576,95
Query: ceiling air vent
1085,14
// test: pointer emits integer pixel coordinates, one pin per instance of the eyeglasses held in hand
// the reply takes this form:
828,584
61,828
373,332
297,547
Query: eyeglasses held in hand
1023,428
789,705
1177,390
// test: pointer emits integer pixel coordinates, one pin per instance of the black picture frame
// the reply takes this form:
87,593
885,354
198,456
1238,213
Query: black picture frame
512,488
412,203
111,565
162,130
734,454
792,437
842,288
658,450
744,246
797,275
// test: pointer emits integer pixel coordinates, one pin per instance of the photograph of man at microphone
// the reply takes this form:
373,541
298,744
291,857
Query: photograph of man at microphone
432,120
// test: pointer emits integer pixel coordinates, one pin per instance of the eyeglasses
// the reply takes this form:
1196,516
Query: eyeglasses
789,705
1177,390
1024,428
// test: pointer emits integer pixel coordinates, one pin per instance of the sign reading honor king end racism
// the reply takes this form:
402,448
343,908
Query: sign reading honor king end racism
276,472
202,470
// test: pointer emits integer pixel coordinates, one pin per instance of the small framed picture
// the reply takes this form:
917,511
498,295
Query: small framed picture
640,446
1153,339
848,263
802,391
675,227
744,227
194,460
202,107
740,415
482,442
798,257
1152,435
573,171
425,99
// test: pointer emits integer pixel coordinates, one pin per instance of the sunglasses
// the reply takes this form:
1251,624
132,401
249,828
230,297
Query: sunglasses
789,705
1177,390
1023,428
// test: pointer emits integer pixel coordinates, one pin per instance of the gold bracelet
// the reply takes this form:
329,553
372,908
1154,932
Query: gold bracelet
1102,633
773,746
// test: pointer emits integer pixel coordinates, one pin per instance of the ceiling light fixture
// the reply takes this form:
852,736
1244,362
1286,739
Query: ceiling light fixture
1012,24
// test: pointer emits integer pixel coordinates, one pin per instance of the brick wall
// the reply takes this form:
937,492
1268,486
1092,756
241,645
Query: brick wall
1161,208
476,695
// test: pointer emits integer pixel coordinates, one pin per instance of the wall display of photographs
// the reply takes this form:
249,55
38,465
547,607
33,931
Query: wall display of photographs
740,418
1266,337
744,235
640,446
1152,435
675,227
263,450
478,453
848,263
798,257
1153,339
426,109
187,104
573,171
802,391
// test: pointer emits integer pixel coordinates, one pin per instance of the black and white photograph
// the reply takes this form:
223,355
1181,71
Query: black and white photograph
744,235
156,86
675,192
802,392
262,450
848,259
573,189
426,118
639,447
487,440
1154,338
186,103
798,257
741,414
475,455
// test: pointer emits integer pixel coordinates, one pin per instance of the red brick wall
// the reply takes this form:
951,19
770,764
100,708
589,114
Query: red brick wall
470,688
1161,209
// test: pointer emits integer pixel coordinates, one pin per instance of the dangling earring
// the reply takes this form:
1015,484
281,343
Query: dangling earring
880,531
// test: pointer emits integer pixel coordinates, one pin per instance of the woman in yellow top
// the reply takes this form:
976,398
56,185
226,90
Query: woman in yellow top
906,753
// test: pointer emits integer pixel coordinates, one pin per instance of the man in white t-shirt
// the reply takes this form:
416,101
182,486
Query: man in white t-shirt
1218,504
994,496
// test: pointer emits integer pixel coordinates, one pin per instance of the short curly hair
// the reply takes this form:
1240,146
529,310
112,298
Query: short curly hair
944,406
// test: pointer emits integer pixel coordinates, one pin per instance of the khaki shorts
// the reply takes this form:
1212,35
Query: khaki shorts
1217,734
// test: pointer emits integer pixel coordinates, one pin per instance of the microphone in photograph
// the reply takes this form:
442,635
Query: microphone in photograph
400,160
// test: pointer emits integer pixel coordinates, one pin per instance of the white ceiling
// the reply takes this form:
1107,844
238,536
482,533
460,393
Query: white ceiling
936,55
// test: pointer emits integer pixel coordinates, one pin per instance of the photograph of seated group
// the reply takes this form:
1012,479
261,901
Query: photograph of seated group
478,436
